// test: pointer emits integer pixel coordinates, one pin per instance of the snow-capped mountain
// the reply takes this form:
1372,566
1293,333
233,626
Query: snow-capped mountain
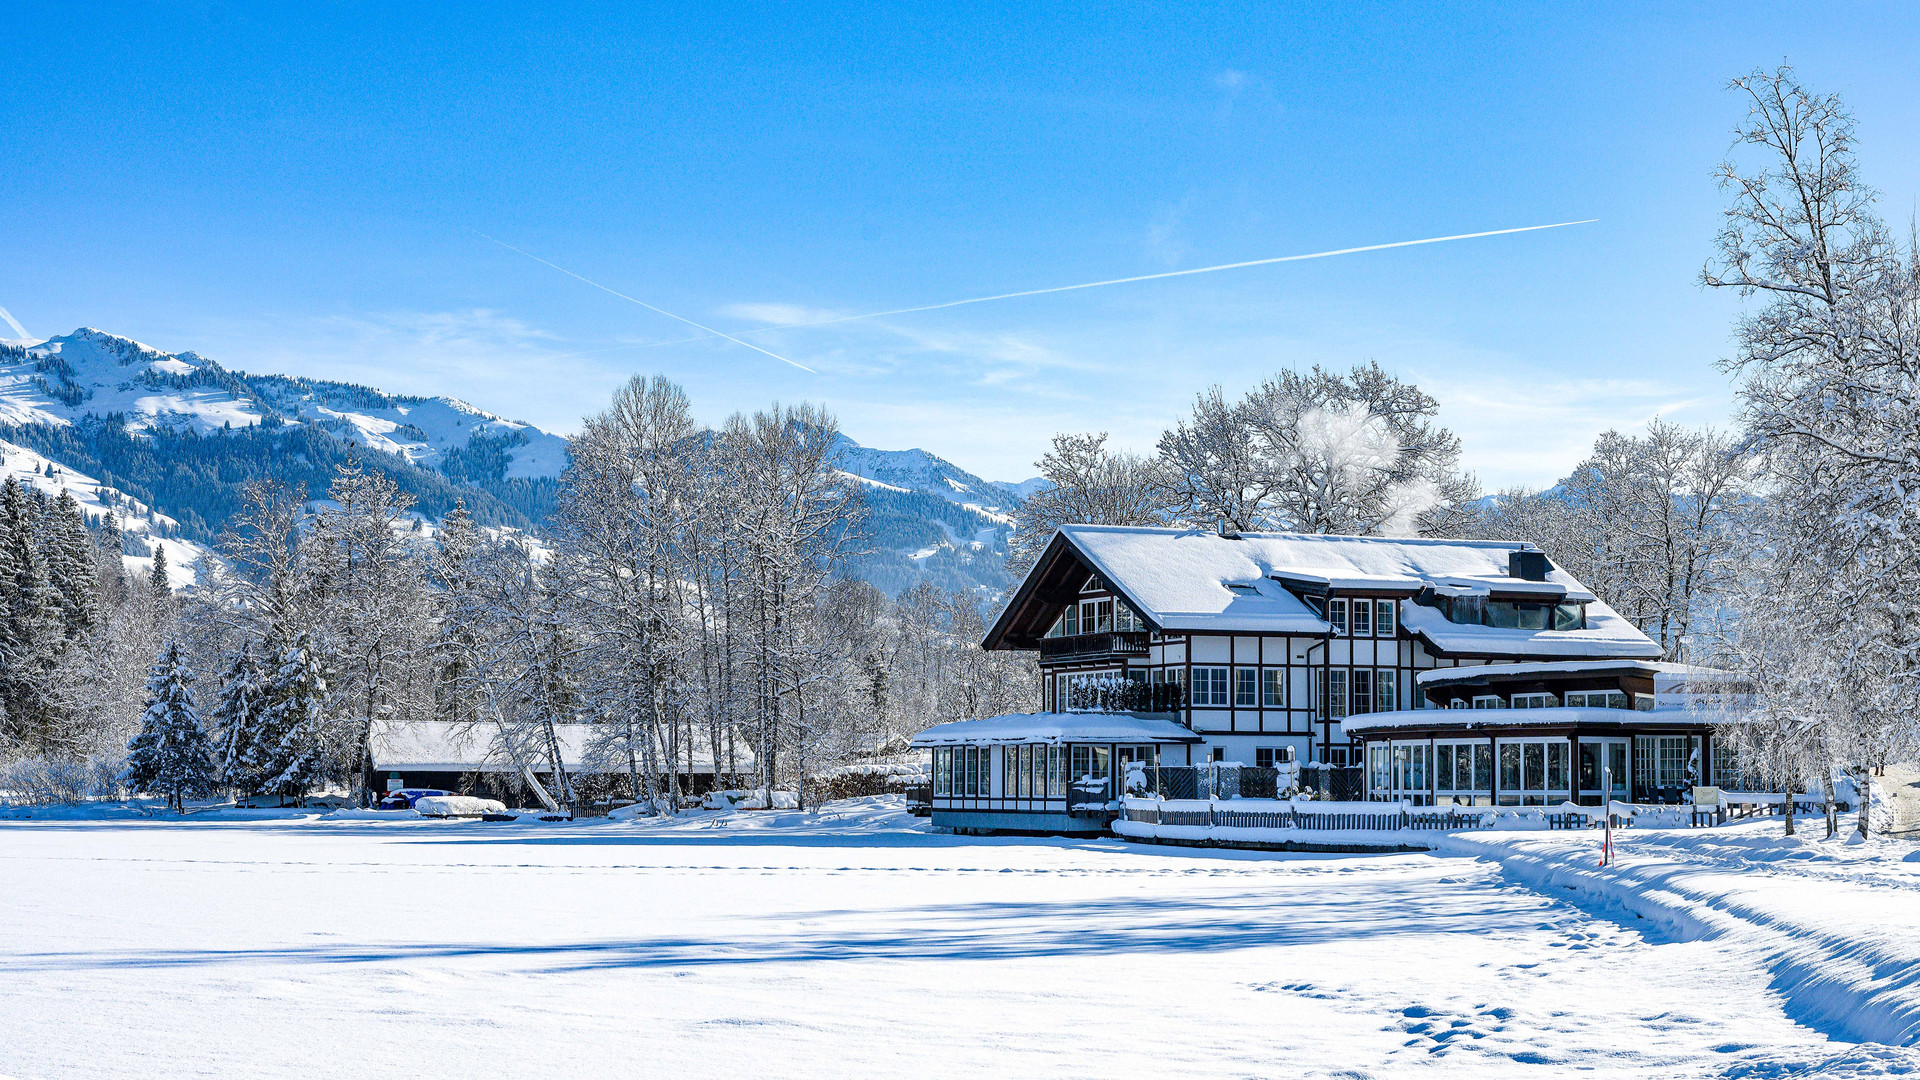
167,439
89,372
917,470
930,520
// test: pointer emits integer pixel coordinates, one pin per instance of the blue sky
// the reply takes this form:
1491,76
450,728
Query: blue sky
304,190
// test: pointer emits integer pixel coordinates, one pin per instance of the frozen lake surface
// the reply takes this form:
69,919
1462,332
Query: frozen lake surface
856,945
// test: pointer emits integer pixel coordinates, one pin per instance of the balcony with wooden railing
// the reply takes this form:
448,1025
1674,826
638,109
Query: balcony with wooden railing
1102,646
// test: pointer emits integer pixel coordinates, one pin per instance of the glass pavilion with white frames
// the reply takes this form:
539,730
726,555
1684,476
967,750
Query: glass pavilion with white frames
1542,734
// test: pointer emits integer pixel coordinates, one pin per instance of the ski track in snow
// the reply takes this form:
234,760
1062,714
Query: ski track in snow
851,945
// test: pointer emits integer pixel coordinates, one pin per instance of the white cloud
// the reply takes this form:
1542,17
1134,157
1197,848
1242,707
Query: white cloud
778,314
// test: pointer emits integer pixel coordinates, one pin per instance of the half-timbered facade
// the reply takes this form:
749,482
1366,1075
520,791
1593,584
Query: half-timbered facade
1265,644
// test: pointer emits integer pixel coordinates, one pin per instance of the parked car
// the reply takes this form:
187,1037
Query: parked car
403,798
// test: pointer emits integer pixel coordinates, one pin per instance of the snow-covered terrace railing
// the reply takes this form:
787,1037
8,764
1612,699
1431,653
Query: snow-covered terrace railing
1283,821
1240,815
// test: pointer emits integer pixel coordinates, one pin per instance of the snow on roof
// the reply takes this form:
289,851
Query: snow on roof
1056,728
444,746
1607,635
1661,716
1179,577
1449,676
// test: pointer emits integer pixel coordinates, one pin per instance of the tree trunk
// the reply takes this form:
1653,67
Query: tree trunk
1791,793
1863,784
1833,812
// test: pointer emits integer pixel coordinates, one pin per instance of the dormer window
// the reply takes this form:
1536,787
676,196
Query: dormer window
1513,614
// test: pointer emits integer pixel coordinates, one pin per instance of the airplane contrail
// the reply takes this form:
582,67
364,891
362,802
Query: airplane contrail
631,300
15,323
1140,277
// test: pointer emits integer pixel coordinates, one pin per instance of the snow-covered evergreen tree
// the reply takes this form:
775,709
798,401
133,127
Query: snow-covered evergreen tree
241,721
170,756
295,721
157,582
32,633
70,566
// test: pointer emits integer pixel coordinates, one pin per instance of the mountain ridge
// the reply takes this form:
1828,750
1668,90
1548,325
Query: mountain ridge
180,432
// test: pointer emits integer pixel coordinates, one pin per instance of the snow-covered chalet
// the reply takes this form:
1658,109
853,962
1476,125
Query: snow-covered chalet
1372,656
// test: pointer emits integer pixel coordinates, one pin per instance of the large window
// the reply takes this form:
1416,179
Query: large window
1246,688
1384,689
1534,772
1489,701
1333,694
1600,761
1096,616
1273,688
1267,757
1512,614
970,775
1535,701
1362,691
1727,771
1663,761
943,770
1463,767
1210,686
1089,761
1597,699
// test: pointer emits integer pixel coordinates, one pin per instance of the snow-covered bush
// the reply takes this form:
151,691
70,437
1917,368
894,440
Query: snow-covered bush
755,799
50,781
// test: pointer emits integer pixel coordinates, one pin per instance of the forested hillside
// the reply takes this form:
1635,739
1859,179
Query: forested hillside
184,434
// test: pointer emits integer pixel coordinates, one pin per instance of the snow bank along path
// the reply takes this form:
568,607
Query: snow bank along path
848,945
1837,924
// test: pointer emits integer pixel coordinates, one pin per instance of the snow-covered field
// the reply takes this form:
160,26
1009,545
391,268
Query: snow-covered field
858,944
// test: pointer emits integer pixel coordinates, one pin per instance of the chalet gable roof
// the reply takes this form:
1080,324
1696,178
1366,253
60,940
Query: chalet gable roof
1180,580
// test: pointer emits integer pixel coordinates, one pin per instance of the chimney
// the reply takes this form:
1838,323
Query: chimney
1527,565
